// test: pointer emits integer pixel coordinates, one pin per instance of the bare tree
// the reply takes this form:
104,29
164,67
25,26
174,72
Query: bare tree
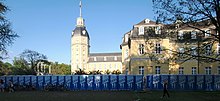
32,57
7,36
193,14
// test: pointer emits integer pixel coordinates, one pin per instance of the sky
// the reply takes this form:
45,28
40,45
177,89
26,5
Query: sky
45,26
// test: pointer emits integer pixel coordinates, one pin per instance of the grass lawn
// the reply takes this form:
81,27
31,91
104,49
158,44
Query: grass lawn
108,96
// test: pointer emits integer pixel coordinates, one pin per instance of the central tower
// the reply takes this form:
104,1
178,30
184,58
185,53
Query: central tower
79,44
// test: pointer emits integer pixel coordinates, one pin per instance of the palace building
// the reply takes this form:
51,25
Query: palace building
152,48
81,58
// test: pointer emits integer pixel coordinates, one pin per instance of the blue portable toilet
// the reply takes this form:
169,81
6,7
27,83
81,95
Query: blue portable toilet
191,82
173,82
2,78
21,80
15,80
27,80
61,79
138,82
40,81
182,82
209,82
162,79
47,81
105,82
156,81
122,82
113,82
90,82
82,82
68,80
149,81
54,80
34,81
130,82
97,82
217,82
75,82
200,84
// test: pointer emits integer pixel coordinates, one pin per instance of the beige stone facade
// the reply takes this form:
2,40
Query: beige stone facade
81,58
145,50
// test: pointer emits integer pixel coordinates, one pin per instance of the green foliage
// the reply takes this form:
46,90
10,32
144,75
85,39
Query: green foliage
21,67
60,69
5,68
32,57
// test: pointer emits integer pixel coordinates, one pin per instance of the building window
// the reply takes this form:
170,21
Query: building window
157,70
141,48
94,58
218,48
126,72
141,70
115,66
158,30
180,35
141,30
207,70
105,59
207,33
105,67
158,48
147,21
181,51
95,67
193,35
100,67
193,70
208,49
194,51
126,53
115,58
126,37
218,69
181,70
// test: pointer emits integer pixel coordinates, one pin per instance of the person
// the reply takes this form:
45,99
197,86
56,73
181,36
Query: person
165,91
2,86
11,86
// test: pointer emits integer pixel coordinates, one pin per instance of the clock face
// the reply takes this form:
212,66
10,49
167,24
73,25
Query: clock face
84,32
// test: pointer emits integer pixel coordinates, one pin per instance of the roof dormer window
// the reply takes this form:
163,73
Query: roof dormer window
193,35
94,58
126,38
141,30
105,58
84,32
115,58
147,21
158,30
207,33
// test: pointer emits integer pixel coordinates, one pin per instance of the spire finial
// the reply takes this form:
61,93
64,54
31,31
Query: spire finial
80,20
80,10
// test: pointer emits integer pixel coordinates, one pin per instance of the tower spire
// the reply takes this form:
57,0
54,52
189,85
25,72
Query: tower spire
80,20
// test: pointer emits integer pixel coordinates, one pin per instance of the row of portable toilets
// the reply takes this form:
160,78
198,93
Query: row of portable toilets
119,82
81,82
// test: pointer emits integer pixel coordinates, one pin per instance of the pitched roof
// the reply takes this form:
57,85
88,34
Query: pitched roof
80,31
105,54
143,22
105,57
